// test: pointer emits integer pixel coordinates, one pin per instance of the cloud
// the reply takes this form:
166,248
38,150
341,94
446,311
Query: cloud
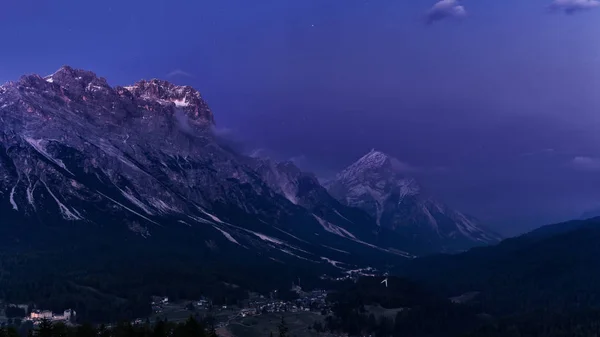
572,6
586,163
257,153
183,122
222,132
402,166
444,9
179,72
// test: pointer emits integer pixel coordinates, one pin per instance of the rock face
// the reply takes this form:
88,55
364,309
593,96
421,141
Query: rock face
138,165
377,184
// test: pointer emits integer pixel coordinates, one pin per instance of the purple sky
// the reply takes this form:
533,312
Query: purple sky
496,109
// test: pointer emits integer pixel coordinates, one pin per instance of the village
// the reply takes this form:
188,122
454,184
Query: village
311,301
15,314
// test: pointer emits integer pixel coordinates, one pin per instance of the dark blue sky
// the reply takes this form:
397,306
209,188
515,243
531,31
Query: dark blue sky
497,112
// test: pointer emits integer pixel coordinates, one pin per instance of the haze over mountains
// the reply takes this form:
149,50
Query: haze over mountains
140,161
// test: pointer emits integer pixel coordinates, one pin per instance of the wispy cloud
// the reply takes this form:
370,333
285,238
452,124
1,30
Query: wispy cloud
183,122
257,153
222,131
403,166
586,163
572,6
444,9
179,72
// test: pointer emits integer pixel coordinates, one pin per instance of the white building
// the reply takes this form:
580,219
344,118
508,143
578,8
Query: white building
67,315
37,314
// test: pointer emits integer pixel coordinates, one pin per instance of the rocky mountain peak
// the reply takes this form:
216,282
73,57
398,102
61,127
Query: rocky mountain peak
83,90
183,97
380,185
71,78
381,172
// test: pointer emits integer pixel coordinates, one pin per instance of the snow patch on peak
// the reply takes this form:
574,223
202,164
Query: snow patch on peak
332,262
269,239
408,187
372,159
180,103
37,144
227,235
331,228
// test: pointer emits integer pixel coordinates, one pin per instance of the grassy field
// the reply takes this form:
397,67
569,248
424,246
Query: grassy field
263,325
380,311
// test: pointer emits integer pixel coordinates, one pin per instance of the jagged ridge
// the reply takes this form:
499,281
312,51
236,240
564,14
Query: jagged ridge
121,161
378,184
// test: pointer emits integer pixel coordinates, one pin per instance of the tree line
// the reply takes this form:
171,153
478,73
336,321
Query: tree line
357,310
190,328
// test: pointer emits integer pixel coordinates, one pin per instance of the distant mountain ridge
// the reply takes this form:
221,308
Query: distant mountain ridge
553,268
377,183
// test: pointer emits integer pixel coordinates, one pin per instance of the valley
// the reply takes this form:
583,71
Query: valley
122,205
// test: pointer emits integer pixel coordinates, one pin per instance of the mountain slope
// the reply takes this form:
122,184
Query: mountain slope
552,268
140,162
304,189
376,183
93,177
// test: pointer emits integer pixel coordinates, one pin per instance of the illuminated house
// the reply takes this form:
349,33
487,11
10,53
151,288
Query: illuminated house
37,314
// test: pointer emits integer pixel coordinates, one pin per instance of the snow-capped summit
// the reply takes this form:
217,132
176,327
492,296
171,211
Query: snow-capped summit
380,185
369,181
374,160
184,97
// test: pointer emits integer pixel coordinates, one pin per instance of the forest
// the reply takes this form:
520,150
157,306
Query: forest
422,312
107,284
192,327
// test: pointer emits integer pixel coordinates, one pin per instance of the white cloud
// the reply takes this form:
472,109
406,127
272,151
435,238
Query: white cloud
572,6
446,9
586,163
179,72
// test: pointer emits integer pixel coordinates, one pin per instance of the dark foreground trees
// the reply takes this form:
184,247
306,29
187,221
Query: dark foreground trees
189,328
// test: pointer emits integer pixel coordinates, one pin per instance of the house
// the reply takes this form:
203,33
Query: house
66,316
248,312
41,314
37,315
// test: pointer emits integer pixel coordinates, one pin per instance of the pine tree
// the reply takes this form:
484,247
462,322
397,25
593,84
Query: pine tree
193,328
60,330
160,329
283,329
45,329
212,331
103,331
11,331
85,330
209,320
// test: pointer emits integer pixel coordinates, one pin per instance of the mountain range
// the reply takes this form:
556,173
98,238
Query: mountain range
139,166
